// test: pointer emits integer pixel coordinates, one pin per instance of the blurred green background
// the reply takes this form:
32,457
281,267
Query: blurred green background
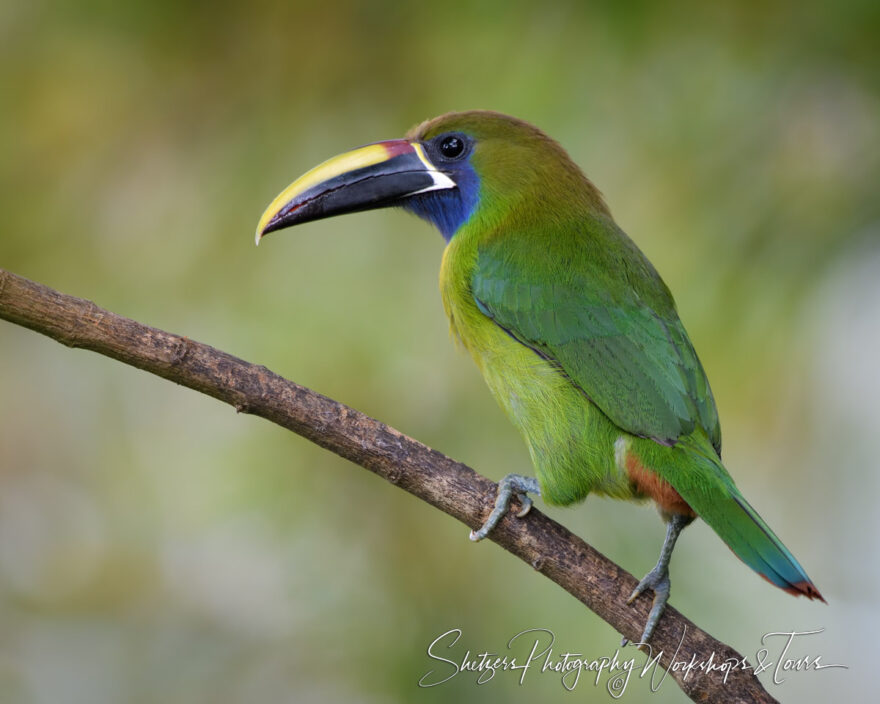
157,547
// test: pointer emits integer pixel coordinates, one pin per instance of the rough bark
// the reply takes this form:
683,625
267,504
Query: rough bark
438,480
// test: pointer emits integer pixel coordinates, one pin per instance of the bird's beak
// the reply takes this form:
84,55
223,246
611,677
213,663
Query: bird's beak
374,176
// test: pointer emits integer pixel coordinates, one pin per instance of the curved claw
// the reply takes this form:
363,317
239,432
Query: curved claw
526,504
512,483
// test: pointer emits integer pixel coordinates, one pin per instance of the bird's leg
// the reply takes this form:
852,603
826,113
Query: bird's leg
657,580
511,484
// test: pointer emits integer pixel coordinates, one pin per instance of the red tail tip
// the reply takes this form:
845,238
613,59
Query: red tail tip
807,589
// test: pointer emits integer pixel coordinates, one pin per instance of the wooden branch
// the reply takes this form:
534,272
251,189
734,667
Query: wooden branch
442,482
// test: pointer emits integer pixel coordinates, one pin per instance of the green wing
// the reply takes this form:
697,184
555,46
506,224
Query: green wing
586,299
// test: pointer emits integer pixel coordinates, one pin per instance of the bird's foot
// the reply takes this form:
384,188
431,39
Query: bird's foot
657,580
507,487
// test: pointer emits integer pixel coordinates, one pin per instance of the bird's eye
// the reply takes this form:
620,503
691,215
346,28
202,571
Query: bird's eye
452,146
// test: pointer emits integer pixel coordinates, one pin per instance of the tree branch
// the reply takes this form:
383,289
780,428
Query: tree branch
442,482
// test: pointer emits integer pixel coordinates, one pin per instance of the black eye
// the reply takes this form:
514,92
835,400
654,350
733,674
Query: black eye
452,146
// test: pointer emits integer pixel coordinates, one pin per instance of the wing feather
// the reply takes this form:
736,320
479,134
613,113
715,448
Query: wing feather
606,319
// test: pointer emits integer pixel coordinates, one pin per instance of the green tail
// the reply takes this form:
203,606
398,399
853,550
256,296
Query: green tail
710,492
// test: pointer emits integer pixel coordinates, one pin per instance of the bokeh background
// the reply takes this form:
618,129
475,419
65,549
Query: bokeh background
157,547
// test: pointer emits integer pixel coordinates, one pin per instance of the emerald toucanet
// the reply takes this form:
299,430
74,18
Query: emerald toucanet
573,329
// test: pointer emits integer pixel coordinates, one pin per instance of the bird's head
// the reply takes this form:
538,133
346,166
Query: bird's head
449,171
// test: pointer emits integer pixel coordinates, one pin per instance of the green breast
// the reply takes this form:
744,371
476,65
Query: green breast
570,441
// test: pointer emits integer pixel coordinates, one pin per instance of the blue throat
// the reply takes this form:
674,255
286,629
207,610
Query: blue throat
449,209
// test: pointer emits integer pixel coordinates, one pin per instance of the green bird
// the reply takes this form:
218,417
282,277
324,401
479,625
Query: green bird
573,329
